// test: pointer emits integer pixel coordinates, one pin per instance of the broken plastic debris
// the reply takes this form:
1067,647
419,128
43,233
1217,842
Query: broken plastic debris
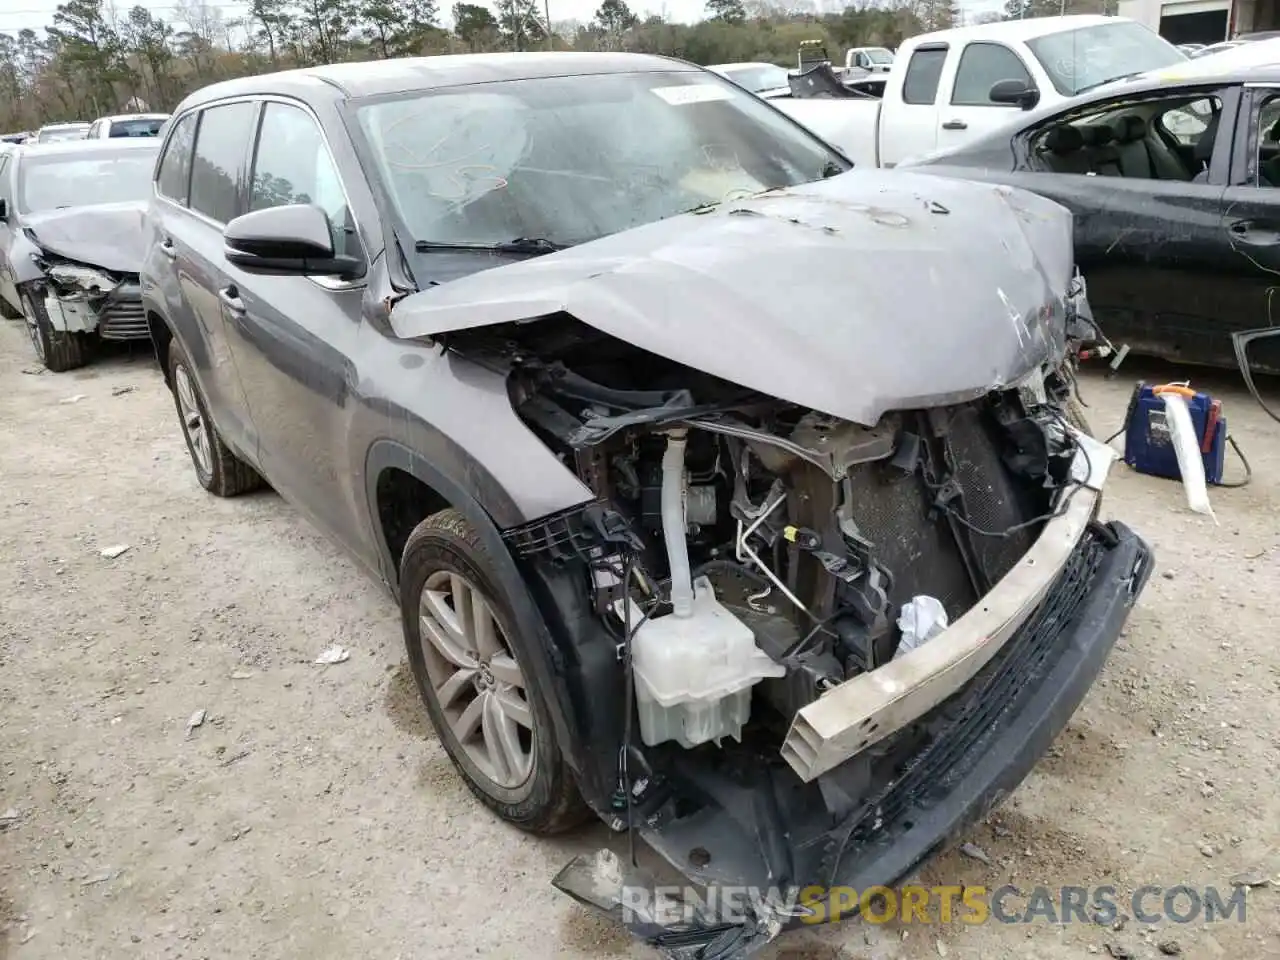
121,391
197,720
76,399
335,654
241,675
975,852
922,618
112,552
9,817
1250,878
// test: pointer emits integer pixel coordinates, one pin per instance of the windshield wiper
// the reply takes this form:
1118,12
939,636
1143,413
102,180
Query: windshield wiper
518,245
1102,83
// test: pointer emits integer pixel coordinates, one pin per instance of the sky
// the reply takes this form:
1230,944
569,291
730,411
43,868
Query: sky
37,14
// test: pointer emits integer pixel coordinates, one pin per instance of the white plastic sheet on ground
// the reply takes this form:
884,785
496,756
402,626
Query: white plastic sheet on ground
1186,447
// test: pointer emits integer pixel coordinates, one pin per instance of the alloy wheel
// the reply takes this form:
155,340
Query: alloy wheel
193,422
476,679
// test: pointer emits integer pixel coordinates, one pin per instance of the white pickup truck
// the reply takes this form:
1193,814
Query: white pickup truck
948,87
871,59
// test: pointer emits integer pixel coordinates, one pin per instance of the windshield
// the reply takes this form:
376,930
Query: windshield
1089,56
757,79
878,55
570,159
50,183
62,133
147,127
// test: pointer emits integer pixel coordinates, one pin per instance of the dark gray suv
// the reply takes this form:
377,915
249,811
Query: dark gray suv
726,493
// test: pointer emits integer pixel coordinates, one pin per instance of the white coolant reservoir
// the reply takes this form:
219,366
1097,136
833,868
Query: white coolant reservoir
694,673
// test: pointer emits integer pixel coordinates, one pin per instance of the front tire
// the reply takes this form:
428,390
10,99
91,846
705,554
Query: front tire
219,470
1076,417
464,651
58,350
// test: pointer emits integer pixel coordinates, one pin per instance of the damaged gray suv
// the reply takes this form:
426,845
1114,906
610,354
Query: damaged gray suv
728,495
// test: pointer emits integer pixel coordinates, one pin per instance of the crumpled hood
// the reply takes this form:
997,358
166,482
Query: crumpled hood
107,235
867,292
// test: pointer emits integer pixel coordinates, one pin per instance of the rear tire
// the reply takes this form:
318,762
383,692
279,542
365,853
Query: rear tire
472,682
219,470
58,350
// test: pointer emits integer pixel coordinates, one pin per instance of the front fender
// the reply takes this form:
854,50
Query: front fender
22,259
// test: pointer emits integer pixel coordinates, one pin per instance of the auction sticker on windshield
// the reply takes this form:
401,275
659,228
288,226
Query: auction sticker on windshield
691,93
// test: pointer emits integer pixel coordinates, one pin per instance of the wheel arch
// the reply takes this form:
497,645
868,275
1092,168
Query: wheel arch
389,463
161,337
394,469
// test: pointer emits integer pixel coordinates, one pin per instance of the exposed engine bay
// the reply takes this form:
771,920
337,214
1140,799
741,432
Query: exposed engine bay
763,544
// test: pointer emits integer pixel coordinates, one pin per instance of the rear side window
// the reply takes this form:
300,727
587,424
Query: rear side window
920,85
982,65
175,166
217,167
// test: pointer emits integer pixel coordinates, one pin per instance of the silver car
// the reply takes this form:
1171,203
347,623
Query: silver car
71,243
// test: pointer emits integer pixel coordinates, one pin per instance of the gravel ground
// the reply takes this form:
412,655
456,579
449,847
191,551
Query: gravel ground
314,813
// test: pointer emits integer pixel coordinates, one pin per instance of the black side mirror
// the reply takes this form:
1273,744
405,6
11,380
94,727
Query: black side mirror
1015,93
295,240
